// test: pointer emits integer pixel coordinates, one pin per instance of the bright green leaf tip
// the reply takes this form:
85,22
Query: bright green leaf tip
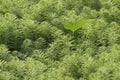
73,26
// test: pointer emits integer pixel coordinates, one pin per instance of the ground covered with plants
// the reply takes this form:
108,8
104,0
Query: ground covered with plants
59,39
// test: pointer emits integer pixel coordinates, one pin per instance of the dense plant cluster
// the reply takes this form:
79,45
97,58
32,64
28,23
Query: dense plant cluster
35,45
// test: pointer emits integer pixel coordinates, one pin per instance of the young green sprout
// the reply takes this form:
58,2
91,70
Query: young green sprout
73,26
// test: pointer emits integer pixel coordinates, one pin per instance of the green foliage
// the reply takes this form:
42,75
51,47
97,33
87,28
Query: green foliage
4,52
95,4
36,42
73,26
